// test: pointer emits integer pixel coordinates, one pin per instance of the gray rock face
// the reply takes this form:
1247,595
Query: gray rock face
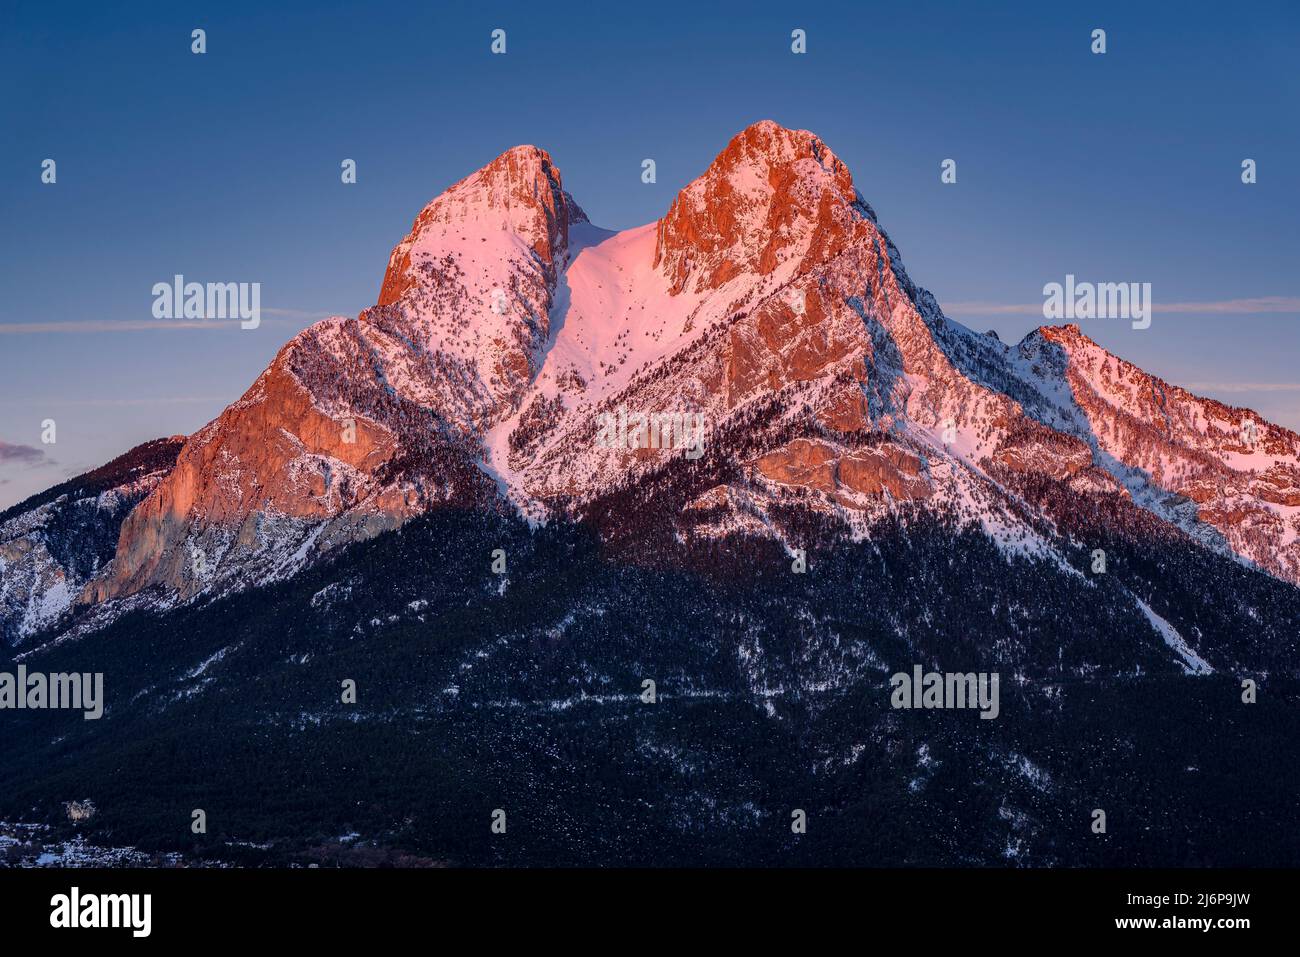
54,543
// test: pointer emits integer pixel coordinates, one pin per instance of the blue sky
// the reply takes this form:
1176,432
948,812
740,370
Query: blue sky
225,167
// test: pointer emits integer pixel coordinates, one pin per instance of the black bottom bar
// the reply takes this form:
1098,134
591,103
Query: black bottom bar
329,906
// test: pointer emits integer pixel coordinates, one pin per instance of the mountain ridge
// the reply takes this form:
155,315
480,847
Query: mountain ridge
427,504
769,301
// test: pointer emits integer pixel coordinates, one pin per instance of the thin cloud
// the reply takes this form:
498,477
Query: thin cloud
84,326
298,313
992,308
1245,386
12,453
1258,305
110,403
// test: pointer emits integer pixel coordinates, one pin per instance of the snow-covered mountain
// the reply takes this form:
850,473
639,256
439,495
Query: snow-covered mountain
832,483
768,304
52,544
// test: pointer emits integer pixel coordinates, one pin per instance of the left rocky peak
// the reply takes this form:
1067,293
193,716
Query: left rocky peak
359,424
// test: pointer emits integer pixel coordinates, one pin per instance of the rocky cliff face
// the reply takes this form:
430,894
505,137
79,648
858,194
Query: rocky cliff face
768,307
769,281
779,309
1220,472
358,424
53,544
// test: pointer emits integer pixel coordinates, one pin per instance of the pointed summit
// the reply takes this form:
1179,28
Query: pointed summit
769,145
520,192
773,194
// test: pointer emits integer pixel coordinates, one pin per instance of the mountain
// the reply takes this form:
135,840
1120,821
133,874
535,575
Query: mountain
53,543
769,303
737,452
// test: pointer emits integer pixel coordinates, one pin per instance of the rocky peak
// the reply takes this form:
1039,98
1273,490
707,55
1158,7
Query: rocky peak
772,195
359,424
1068,334
1172,447
520,192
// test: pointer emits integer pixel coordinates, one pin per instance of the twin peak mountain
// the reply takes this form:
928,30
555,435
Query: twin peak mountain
769,300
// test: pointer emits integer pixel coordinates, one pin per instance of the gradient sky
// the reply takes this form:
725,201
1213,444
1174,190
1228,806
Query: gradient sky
225,167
